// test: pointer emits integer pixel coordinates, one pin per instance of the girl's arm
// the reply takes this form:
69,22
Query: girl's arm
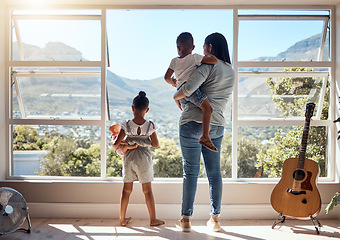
154,140
209,59
168,78
119,139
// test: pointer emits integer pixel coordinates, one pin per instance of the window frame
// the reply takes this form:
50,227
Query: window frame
103,63
286,64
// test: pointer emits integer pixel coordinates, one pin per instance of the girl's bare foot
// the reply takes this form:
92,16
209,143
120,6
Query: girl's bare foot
206,142
125,221
156,222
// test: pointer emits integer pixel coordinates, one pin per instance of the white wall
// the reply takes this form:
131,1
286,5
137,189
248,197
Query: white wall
337,90
67,195
2,93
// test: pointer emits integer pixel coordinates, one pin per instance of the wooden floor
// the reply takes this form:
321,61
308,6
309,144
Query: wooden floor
99,229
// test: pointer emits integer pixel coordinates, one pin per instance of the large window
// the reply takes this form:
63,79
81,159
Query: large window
57,67
72,73
281,68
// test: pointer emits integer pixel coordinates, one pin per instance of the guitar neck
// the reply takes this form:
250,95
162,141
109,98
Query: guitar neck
303,147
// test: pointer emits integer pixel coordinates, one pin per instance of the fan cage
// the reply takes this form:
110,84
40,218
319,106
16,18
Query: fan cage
13,210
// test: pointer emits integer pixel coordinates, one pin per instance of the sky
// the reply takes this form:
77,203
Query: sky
143,42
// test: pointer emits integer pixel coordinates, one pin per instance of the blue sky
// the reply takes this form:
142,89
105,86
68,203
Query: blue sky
142,42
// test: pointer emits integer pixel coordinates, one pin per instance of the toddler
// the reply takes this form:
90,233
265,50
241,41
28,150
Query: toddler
183,66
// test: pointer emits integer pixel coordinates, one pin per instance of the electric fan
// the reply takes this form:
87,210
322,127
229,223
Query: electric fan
13,211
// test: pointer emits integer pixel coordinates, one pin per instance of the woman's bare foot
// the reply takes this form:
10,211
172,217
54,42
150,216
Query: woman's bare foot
206,142
125,221
156,222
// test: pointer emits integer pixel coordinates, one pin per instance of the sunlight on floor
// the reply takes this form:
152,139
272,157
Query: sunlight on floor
138,229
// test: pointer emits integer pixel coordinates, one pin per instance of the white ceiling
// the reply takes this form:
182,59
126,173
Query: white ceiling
176,3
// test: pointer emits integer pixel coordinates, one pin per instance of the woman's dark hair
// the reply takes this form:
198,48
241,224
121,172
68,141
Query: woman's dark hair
219,46
141,102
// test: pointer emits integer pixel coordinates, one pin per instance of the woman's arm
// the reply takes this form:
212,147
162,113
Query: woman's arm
196,79
154,140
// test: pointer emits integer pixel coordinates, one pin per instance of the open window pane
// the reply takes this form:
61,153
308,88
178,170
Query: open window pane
56,40
285,96
54,150
56,93
262,150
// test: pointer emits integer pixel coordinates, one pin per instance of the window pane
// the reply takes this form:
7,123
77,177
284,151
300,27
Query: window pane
262,150
54,150
150,38
140,52
282,97
281,40
57,40
56,93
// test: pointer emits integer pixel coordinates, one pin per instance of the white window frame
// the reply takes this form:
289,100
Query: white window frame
286,64
102,64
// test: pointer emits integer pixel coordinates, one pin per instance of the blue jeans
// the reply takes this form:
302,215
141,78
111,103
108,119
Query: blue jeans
197,98
190,134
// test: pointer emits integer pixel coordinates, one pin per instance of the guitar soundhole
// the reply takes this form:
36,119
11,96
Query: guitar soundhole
299,175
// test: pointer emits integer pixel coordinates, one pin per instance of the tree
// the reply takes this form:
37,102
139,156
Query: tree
287,144
282,92
114,164
167,159
65,158
247,148
25,138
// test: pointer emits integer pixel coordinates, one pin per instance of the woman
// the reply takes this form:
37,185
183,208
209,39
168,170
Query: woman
217,82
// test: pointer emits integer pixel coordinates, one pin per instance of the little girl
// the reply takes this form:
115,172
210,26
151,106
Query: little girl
138,164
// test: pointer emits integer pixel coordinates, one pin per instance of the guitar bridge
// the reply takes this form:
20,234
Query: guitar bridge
295,192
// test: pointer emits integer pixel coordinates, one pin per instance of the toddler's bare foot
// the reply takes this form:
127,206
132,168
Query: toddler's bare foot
156,222
206,142
125,221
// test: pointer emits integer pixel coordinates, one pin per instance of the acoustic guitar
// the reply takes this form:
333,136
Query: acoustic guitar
296,195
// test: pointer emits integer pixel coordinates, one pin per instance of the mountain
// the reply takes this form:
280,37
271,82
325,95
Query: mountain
255,87
306,49
55,51
121,90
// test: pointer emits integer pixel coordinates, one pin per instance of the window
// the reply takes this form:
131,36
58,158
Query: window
140,52
285,69
73,73
56,36
56,93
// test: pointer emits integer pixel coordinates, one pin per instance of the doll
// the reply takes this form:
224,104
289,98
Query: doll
123,146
